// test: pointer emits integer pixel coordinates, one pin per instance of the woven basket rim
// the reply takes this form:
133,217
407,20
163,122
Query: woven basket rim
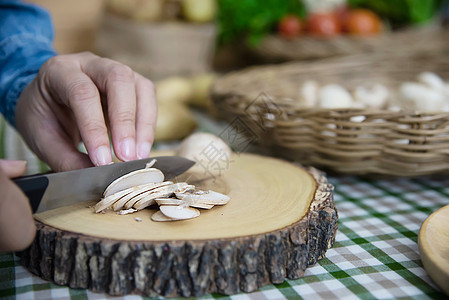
347,140
275,47
219,89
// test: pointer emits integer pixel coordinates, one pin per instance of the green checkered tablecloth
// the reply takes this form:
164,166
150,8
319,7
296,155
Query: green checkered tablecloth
375,254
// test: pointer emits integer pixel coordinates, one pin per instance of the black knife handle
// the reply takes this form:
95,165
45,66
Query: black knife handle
34,187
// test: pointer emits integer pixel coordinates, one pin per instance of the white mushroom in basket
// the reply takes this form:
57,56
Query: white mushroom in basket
422,98
432,80
375,96
309,93
334,96
429,94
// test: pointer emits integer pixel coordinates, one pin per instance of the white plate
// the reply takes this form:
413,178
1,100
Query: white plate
433,243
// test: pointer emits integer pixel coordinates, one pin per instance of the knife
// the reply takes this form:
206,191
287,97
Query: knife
53,190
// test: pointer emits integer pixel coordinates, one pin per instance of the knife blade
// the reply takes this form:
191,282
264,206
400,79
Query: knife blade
53,190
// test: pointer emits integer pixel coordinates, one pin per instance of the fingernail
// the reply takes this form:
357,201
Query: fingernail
13,168
143,150
102,156
128,148
13,163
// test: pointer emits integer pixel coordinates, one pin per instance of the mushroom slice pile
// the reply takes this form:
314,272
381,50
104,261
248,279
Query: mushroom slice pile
139,193
166,192
119,199
185,205
142,188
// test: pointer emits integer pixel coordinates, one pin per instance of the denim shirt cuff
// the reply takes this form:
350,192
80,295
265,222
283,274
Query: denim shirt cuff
13,95
26,54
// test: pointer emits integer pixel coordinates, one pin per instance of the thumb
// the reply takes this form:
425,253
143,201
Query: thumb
17,229
13,168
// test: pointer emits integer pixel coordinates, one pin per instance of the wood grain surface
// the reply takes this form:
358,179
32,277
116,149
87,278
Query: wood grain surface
280,219
264,197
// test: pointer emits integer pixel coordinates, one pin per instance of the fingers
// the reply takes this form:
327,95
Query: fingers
117,82
49,130
76,90
80,82
13,168
132,108
59,152
17,229
59,142
146,116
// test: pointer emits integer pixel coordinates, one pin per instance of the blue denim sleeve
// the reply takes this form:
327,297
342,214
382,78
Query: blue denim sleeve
26,38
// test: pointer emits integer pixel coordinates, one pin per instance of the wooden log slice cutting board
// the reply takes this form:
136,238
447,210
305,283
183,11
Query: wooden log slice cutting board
280,220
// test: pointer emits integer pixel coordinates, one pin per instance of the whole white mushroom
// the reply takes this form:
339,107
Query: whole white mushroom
432,80
211,154
375,96
309,93
422,98
334,96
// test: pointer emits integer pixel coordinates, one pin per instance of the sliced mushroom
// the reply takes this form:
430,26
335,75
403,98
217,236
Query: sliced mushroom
160,217
120,203
200,205
139,177
179,212
174,201
169,201
150,164
126,211
188,188
204,197
149,198
108,201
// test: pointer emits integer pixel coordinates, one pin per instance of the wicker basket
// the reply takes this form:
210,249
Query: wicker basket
260,101
428,39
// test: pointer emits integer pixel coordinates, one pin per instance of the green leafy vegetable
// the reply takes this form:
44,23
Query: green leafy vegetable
401,12
253,19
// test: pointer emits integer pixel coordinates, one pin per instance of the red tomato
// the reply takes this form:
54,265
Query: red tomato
290,26
342,14
363,22
323,24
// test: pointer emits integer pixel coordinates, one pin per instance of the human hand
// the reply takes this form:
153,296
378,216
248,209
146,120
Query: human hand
79,97
17,227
